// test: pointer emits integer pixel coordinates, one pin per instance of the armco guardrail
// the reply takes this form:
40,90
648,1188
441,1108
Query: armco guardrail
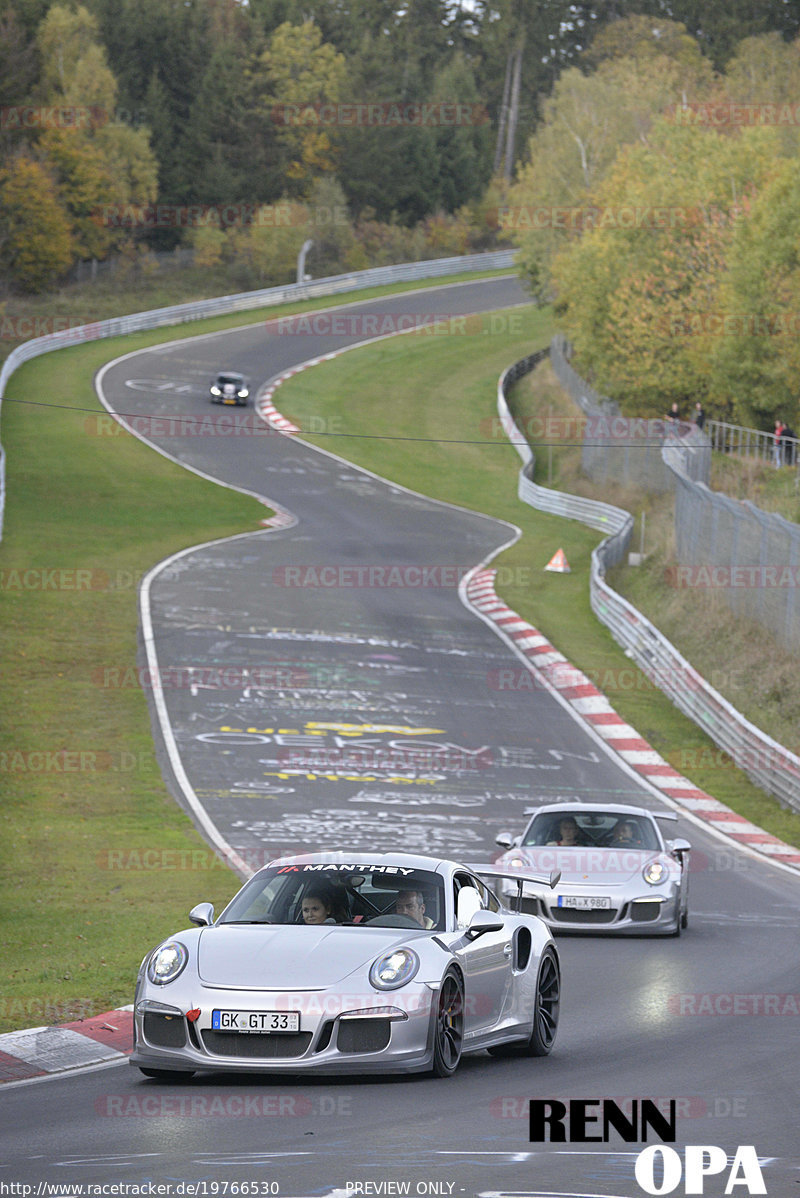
770,765
603,516
406,272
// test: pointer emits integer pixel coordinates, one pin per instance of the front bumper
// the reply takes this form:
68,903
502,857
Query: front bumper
365,1033
631,912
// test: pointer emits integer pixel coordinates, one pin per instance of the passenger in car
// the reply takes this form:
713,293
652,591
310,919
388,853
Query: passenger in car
320,906
568,832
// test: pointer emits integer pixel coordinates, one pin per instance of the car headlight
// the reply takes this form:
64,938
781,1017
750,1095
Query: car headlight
167,963
654,873
215,390
243,394
394,969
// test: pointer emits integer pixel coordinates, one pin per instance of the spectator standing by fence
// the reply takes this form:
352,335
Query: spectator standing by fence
698,416
789,446
776,443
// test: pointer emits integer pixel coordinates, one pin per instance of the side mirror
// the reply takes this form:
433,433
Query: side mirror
202,915
469,901
505,840
483,921
679,847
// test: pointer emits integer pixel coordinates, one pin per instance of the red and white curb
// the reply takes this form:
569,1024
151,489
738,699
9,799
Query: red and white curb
280,519
267,411
592,707
42,1051
266,408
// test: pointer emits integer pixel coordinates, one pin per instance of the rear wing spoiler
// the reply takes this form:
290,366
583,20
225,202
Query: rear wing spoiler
519,876
657,814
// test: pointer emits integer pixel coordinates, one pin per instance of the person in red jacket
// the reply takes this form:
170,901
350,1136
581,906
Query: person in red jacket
776,443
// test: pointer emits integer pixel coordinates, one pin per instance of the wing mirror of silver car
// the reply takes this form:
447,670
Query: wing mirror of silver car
483,921
679,847
505,840
202,915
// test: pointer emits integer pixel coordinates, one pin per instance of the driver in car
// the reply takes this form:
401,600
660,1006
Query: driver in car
412,904
626,835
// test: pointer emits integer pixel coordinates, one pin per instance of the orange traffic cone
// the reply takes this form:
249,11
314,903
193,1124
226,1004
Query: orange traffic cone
558,563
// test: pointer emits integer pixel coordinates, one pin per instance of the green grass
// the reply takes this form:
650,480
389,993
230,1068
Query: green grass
83,801
75,924
747,478
442,397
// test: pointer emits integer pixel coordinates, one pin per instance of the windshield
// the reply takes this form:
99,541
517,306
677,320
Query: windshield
355,895
597,829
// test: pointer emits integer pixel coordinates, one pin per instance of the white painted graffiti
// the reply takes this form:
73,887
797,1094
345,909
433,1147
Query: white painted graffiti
163,385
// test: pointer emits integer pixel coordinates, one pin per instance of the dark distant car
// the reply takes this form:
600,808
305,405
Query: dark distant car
230,388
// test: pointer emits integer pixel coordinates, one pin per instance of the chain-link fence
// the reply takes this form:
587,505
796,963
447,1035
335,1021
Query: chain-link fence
734,549
627,449
87,272
749,557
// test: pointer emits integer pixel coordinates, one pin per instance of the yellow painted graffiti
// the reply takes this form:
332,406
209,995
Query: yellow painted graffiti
288,775
361,729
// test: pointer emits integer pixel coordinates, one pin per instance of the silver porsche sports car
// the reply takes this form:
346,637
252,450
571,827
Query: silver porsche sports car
618,874
354,963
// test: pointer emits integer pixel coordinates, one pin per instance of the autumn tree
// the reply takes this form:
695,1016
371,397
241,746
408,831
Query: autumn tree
97,162
639,288
36,244
584,124
264,251
301,74
757,362
764,73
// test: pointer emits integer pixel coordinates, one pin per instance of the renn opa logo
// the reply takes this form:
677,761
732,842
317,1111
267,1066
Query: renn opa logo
659,1169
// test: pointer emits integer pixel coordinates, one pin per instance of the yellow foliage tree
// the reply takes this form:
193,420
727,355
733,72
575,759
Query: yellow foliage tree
639,290
584,124
301,75
36,243
97,162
